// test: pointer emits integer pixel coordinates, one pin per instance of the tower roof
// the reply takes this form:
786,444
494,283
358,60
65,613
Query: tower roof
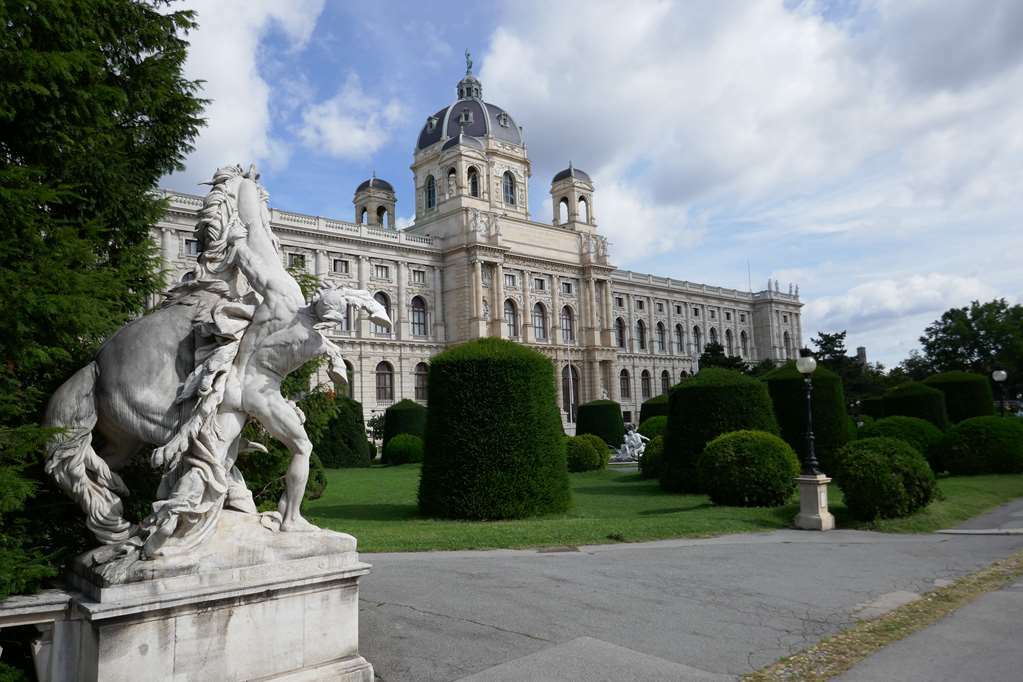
374,183
572,172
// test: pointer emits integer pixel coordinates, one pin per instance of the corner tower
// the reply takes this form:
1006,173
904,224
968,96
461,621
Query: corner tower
572,199
374,203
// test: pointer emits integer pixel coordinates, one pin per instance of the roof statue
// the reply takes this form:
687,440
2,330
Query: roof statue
468,62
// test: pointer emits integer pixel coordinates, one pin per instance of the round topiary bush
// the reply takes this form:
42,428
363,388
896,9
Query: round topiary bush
654,407
404,416
884,478
920,434
581,454
599,446
830,421
494,446
343,441
872,407
982,445
653,427
967,394
404,448
602,418
914,399
713,402
651,462
748,469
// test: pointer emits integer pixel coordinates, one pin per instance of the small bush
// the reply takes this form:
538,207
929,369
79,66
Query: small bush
921,435
599,446
343,441
651,462
884,478
404,448
653,427
967,394
914,399
404,416
982,445
582,455
713,402
654,407
602,418
748,469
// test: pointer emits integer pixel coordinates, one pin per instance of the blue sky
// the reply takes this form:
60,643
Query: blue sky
871,152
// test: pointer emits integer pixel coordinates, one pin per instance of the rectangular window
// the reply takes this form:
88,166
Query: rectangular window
341,266
713,314
539,283
382,272
742,317
696,312
619,302
678,310
627,417
192,247
785,318
296,260
639,305
660,307
566,288
728,316
509,280
419,276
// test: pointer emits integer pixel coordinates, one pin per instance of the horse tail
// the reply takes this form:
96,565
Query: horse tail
73,463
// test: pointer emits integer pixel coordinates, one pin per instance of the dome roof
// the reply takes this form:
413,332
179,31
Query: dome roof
375,183
462,139
572,172
470,116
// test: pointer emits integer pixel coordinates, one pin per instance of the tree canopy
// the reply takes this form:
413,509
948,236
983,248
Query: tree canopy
714,356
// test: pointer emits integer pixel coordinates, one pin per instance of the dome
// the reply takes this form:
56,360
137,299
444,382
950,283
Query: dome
470,116
465,140
375,183
572,172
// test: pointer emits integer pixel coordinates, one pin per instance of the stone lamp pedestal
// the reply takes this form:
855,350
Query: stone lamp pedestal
813,503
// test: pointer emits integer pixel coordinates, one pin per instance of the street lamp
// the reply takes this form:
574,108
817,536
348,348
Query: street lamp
806,365
1000,375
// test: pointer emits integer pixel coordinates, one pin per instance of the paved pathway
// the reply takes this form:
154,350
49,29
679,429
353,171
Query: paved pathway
690,609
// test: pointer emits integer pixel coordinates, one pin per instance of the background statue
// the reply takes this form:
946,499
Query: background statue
632,449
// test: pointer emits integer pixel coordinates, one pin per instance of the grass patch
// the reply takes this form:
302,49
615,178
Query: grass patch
835,655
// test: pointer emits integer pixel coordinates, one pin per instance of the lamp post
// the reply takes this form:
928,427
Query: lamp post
1000,375
813,485
806,365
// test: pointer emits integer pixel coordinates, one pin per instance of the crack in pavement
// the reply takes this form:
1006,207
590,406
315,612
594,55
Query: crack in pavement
378,604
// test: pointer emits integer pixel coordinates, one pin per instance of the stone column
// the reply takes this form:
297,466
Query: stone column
591,305
477,289
321,262
438,303
556,310
363,322
167,243
608,313
527,310
400,324
497,308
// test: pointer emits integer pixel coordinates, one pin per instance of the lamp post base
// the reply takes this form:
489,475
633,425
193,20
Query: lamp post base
813,503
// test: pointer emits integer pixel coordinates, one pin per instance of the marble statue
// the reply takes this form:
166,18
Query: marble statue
632,449
189,376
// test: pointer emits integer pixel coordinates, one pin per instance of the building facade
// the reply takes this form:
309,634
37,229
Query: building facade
476,264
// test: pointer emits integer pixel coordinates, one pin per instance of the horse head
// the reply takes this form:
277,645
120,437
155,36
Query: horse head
330,304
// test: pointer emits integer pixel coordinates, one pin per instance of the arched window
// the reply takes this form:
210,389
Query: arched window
418,316
385,382
744,344
680,338
511,319
661,334
431,192
474,181
665,381
624,385
787,342
697,341
539,322
364,216
583,211
620,332
383,300
570,390
422,374
713,335
641,334
508,185
452,187
644,384
729,350
563,210
381,216
567,325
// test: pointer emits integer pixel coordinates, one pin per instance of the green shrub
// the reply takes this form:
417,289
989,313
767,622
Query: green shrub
872,407
371,447
599,446
852,429
866,419
748,469
343,441
884,478
404,448
713,402
653,427
914,399
651,462
920,434
982,445
404,416
654,407
602,418
581,454
494,446
787,388
967,394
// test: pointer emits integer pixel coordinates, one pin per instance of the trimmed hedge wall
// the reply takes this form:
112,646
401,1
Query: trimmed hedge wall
967,394
651,462
494,446
582,454
654,426
748,469
343,442
404,416
914,399
884,478
713,402
919,433
982,445
404,448
872,407
602,418
830,421
654,407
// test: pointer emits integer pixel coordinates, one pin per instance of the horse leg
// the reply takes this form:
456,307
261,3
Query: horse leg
282,421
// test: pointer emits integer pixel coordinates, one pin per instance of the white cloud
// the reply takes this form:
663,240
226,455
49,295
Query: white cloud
351,125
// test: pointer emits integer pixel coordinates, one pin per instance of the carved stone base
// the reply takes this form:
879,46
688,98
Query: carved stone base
813,503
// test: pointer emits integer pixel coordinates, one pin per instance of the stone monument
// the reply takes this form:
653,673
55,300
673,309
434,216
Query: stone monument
205,587
632,449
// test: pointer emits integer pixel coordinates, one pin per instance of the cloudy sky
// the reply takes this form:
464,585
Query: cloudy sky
871,152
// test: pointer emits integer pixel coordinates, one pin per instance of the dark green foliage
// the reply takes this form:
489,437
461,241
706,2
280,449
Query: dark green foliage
654,426
748,469
599,446
830,422
581,455
404,416
714,356
371,447
884,478
920,434
404,448
654,407
602,418
852,429
713,402
343,443
651,462
494,446
873,407
914,399
376,426
967,394
982,445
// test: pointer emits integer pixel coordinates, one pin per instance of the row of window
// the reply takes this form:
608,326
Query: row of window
661,332
511,280
385,381
473,182
511,321
645,383
641,305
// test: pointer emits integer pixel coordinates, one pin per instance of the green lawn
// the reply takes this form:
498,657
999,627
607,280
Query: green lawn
378,506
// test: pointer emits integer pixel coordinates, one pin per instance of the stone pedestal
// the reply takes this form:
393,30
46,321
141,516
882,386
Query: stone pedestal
813,503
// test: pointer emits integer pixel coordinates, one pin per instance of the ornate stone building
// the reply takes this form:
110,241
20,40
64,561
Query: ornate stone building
475,264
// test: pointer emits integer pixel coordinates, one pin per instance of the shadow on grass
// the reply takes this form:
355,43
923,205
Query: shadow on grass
366,512
675,510
616,490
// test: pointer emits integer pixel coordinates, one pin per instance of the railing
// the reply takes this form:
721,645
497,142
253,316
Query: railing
696,287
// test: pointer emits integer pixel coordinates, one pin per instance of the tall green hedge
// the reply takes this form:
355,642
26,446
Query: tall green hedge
919,433
602,418
343,442
654,407
982,445
830,421
713,402
872,407
967,394
494,446
404,416
914,399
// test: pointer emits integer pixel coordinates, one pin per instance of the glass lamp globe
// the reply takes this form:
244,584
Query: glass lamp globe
999,375
806,364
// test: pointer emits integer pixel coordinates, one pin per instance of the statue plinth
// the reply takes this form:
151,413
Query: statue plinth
813,503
